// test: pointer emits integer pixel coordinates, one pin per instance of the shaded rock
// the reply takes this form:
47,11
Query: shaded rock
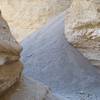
10,66
28,89
97,5
9,74
82,29
49,58
9,47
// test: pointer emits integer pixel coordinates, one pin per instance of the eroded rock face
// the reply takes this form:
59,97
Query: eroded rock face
9,74
26,16
83,29
10,66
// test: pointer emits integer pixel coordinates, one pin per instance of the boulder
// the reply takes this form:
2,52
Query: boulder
10,66
82,29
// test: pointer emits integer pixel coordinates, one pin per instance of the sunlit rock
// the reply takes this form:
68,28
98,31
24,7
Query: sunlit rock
26,16
82,29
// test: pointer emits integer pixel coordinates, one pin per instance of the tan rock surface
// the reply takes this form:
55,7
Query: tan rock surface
26,16
82,29
9,47
9,74
10,66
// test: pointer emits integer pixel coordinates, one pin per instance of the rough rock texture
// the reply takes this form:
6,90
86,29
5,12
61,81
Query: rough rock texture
9,74
49,58
10,66
97,6
82,28
9,47
26,16
29,89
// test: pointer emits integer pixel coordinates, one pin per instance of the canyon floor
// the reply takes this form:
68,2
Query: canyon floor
49,58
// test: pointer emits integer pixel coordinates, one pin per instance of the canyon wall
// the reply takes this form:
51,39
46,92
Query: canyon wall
10,65
82,28
26,16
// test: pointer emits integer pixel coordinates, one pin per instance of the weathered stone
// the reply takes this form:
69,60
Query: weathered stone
28,89
9,48
9,74
26,16
82,29
10,66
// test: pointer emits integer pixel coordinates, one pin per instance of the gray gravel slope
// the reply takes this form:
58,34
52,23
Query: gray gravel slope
49,58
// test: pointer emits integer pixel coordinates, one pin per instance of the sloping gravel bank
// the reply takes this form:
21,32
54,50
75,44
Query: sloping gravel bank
48,57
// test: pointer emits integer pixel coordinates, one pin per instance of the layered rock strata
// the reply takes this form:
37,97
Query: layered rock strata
82,28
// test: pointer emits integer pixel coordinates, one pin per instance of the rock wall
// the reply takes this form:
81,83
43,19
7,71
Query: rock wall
26,16
10,66
82,28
